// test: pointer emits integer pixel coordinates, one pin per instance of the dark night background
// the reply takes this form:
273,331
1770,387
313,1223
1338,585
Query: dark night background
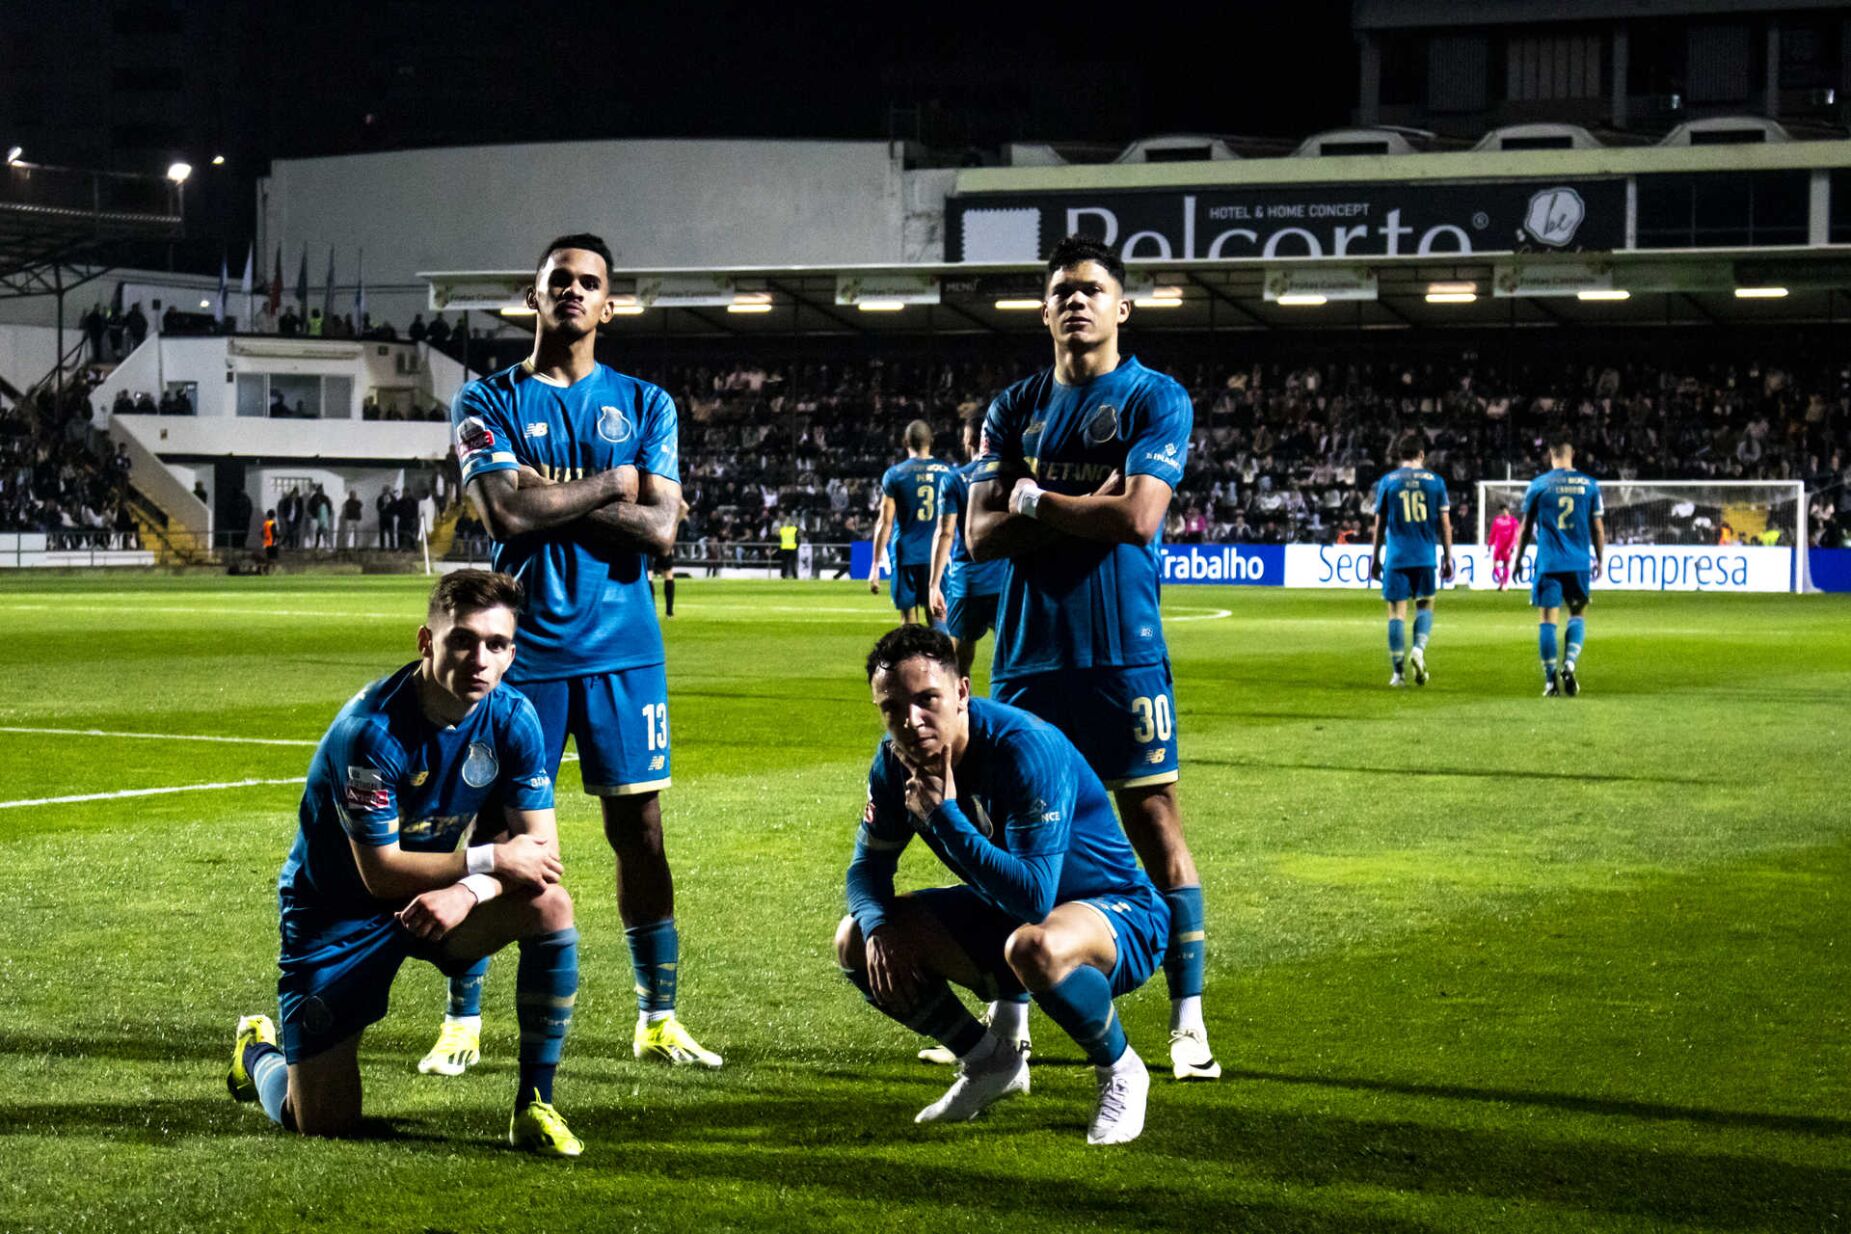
132,85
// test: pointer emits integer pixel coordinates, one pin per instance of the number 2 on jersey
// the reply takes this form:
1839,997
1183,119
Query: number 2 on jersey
1567,507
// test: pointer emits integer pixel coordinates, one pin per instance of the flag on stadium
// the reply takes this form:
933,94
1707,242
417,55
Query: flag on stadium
327,288
244,284
276,282
218,308
359,296
302,283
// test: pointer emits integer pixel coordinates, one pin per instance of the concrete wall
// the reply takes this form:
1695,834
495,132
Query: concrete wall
244,437
657,203
27,353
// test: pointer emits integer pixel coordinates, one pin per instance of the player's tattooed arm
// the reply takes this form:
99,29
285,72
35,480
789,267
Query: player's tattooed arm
1132,516
647,523
994,530
516,503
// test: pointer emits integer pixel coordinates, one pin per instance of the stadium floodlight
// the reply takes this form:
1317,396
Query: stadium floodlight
752,297
627,310
1302,299
1451,289
1760,293
1452,297
14,155
881,306
1022,305
205,304
178,172
748,308
1616,293
218,160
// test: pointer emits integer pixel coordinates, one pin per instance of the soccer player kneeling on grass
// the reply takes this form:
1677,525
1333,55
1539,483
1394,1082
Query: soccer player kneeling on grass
382,870
1051,901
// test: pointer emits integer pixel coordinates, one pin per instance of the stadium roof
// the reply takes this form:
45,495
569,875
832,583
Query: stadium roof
51,217
1661,287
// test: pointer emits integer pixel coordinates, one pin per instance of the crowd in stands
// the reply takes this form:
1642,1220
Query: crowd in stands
58,475
1281,452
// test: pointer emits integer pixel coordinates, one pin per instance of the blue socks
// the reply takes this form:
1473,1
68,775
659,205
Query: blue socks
1423,627
1397,641
264,1063
1081,1003
466,989
938,1013
1577,632
545,987
655,951
1184,961
1545,638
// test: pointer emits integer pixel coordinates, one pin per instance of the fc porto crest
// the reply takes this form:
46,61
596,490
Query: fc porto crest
1102,425
613,425
480,767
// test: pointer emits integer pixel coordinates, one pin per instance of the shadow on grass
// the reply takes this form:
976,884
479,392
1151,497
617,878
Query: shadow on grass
145,1049
1474,773
1619,1107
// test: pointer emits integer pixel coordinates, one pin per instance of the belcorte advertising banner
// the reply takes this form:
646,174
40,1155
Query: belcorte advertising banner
1313,220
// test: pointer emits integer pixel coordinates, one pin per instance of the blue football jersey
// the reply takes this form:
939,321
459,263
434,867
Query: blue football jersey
1410,501
963,576
384,772
915,485
1084,603
1022,783
1564,502
588,610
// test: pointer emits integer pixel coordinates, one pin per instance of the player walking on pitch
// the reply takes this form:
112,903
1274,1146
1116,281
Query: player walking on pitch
964,592
1077,466
1051,900
382,871
910,492
1503,537
1562,508
1413,514
573,468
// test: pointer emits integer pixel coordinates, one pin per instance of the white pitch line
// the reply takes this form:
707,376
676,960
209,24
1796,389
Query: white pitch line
97,732
1211,615
144,792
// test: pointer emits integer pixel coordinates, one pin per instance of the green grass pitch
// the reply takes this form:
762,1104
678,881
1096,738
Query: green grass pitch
1478,961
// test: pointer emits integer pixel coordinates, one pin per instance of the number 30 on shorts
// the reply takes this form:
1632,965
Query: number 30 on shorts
1151,719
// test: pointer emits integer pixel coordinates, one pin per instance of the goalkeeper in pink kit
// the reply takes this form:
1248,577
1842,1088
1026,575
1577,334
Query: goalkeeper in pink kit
1503,540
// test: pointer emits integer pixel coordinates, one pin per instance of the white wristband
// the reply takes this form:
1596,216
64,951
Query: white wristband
1027,500
479,859
484,887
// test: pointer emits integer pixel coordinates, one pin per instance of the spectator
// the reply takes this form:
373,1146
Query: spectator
353,510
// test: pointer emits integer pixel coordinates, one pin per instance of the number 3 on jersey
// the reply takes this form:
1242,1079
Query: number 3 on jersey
655,723
1152,719
928,499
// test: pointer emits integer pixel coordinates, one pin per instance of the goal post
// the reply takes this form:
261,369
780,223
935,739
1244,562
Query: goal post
1686,515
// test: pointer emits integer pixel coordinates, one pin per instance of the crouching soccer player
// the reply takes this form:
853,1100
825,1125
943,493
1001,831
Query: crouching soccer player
381,870
1052,899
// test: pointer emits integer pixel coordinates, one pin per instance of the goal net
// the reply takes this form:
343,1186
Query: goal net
1669,514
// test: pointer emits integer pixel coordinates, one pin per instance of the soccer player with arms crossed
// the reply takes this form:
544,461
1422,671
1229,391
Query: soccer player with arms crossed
1051,900
1413,513
964,592
909,511
573,469
1562,508
382,871
1077,467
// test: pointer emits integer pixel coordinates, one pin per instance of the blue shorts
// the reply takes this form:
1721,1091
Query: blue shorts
337,975
911,586
969,618
1122,719
1408,583
620,721
1139,920
1555,590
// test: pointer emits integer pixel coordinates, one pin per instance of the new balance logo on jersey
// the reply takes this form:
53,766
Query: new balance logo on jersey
537,429
1157,756
660,761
